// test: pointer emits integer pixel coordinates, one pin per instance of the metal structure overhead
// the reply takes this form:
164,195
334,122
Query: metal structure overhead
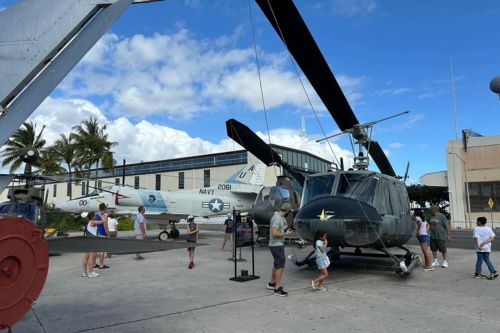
291,28
41,42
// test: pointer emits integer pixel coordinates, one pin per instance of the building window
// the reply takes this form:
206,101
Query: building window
480,193
136,182
68,189
54,191
206,178
117,181
83,188
158,182
99,185
181,180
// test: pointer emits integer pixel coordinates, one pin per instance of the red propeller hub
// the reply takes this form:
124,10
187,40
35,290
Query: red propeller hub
24,264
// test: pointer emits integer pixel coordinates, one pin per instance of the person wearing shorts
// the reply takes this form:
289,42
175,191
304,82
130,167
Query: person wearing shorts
228,230
440,233
277,247
192,237
424,239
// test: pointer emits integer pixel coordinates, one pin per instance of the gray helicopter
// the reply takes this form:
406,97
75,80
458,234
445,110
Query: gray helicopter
358,208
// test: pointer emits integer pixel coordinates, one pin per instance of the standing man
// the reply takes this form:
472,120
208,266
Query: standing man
277,247
113,228
228,230
140,228
102,231
440,233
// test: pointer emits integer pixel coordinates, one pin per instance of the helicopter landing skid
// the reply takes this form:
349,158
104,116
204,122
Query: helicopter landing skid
403,264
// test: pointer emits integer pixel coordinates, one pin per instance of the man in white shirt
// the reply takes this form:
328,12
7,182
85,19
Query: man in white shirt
112,227
483,236
140,228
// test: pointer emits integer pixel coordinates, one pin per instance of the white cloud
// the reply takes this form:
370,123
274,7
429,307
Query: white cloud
396,145
147,141
352,8
395,91
179,77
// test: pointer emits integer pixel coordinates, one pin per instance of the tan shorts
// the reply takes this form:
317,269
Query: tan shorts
227,236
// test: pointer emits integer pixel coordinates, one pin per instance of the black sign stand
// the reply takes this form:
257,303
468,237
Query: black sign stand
244,273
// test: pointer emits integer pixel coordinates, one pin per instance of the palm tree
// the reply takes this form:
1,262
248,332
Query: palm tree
49,163
24,137
93,146
64,150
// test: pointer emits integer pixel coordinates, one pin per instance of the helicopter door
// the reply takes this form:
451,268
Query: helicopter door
405,221
387,208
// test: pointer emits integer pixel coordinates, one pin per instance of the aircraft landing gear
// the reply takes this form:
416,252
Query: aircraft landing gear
174,233
163,236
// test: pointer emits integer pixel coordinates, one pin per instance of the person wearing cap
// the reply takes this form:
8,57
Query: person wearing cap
228,230
277,247
440,233
192,237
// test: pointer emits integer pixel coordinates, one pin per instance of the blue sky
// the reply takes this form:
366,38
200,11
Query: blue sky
169,74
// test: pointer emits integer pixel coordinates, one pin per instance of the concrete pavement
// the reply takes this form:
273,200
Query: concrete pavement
160,294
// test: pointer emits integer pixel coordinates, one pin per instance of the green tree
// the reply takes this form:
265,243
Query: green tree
93,146
25,136
64,150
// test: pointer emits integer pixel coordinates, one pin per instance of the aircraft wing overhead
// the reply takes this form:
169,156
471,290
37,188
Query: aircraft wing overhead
291,28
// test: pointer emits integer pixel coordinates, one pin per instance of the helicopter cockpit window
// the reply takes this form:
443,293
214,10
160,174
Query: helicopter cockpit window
318,187
264,194
279,195
358,186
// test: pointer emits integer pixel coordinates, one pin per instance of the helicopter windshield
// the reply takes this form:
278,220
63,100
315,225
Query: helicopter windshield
318,187
358,186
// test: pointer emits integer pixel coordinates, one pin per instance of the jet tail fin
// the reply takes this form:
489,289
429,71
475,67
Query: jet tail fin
252,174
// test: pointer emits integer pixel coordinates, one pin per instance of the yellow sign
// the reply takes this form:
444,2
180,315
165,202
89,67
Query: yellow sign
491,203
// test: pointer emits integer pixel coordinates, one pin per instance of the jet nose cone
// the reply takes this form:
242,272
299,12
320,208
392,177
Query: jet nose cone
64,206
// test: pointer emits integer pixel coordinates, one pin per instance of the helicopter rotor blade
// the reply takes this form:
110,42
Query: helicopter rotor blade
291,28
406,172
121,246
245,137
380,158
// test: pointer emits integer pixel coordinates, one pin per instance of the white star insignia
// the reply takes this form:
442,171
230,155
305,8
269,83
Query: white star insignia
216,205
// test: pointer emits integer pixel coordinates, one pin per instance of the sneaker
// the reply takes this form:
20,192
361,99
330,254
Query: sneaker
428,269
445,264
84,274
313,285
479,276
280,292
435,263
190,266
96,266
493,276
271,285
103,267
92,274
139,258
323,288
